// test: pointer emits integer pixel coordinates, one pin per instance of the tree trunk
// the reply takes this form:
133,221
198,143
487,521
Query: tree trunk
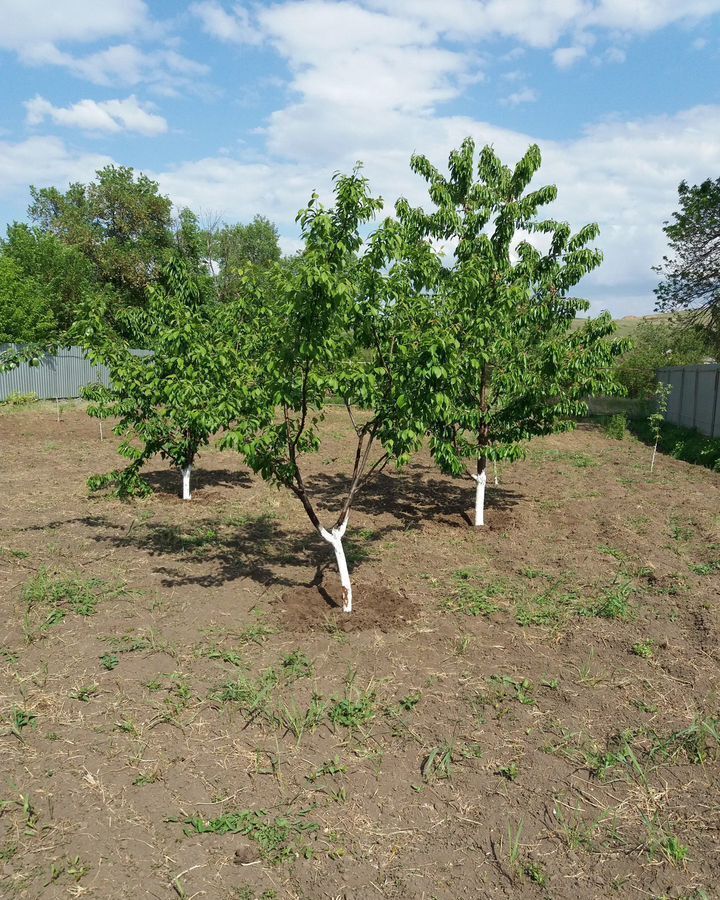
480,481
334,538
186,472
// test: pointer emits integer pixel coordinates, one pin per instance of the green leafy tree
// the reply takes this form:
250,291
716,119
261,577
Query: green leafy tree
120,223
172,401
691,275
350,324
231,249
26,315
657,344
63,276
519,370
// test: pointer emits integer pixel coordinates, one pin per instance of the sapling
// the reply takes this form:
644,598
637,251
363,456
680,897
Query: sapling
519,369
350,324
173,399
657,418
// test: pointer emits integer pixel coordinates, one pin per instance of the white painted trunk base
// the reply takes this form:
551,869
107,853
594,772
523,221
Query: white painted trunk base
186,472
334,538
480,482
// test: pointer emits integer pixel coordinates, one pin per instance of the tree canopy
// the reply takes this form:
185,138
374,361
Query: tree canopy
517,369
691,274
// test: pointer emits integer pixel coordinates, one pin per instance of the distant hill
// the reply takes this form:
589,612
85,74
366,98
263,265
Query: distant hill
627,324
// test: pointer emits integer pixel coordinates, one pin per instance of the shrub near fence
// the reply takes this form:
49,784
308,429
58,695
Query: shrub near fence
61,375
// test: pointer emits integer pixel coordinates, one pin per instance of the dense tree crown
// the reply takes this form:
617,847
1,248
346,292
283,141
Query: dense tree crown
691,275
109,239
193,382
518,369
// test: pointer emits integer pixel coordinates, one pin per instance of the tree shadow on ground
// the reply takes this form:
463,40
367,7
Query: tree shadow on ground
169,481
214,550
413,496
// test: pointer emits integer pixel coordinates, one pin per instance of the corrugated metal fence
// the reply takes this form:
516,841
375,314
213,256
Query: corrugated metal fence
61,375
695,397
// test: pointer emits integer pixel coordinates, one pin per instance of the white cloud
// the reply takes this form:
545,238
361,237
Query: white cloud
565,57
43,161
27,22
165,71
109,116
539,23
622,174
526,95
234,27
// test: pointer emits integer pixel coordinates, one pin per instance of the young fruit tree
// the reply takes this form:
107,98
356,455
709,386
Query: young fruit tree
171,400
520,369
350,325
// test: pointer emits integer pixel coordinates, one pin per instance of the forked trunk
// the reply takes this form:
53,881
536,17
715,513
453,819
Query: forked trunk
186,472
334,538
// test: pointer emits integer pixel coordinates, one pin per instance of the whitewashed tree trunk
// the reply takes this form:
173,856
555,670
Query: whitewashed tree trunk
334,538
480,482
186,472
495,473
652,461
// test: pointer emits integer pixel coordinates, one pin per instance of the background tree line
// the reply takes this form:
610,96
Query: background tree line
108,240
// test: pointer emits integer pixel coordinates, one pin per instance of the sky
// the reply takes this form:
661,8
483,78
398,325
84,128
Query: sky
245,108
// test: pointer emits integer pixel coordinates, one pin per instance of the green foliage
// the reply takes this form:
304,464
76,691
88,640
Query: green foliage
657,418
274,837
514,367
657,344
686,444
16,399
120,224
234,248
691,276
26,313
616,427
195,381
353,713
643,649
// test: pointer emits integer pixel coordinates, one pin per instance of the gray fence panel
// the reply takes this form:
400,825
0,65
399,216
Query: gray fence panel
62,375
695,398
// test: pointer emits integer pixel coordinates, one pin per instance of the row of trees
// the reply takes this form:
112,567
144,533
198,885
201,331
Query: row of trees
474,353
107,242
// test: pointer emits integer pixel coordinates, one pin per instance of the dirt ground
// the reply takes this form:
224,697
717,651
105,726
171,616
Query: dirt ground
525,710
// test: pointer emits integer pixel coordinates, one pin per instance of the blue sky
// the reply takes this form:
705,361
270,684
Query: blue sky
239,108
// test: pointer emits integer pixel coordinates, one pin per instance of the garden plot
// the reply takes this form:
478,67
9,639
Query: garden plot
527,709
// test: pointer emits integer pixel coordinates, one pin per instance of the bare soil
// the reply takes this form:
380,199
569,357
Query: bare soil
524,710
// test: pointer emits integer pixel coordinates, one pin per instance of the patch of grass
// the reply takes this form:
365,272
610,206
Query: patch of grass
437,765
296,665
616,426
352,714
298,721
613,603
550,608
706,568
84,694
251,695
697,743
49,599
471,598
511,688
509,772
275,838
583,461
643,649
109,661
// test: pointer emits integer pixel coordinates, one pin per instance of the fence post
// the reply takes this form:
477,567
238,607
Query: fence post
695,397
715,401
